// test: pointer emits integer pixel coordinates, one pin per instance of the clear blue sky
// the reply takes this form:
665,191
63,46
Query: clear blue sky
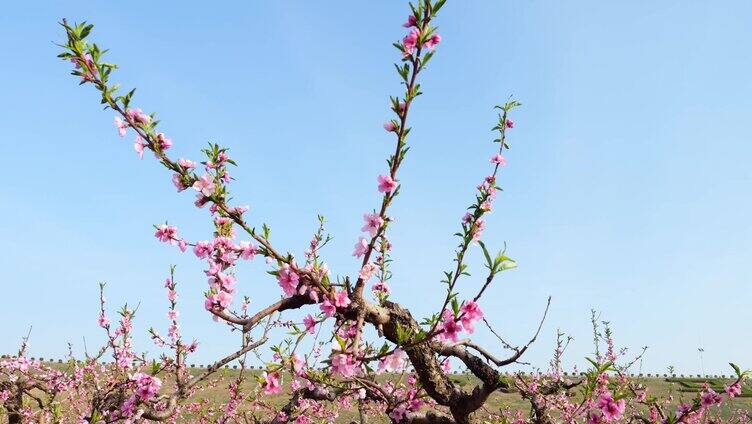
627,188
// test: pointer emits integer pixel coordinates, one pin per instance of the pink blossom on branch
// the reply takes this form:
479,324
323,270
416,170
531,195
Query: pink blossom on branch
137,116
432,41
147,386
139,146
344,365
393,362
361,247
372,223
341,299
498,159
611,409
247,250
411,22
310,324
288,280
272,383
449,327
733,390
166,234
410,41
121,126
164,142
367,271
386,183
328,308
187,164
470,312
205,185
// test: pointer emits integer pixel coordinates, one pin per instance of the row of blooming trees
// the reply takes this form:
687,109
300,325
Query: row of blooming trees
370,333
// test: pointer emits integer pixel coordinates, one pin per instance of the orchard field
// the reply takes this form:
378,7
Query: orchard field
373,357
212,398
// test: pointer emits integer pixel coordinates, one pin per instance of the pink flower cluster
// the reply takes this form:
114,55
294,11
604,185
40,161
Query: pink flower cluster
344,365
411,40
221,255
611,409
147,386
395,361
452,325
272,383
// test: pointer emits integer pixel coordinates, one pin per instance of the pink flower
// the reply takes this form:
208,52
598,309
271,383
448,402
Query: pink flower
182,245
297,364
372,223
247,250
209,302
478,228
341,300
498,159
164,142
361,247
446,366
139,145
432,41
471,313
327,308
509,123
381,287
411,41
449,326
393,362
166,233
272,384
310,324
288,280
594,418
733,390
137,116
411,21
205,185
103,321
90,72
226,281
367,271
121,126
389,126
147,386
187,164
303,419
344,365
709,397
203,249
177,181
611,409
224,299
386,183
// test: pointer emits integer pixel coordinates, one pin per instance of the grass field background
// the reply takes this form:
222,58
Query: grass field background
680,388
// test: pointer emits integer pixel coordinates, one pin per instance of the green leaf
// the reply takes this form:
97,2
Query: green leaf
736,369
489,263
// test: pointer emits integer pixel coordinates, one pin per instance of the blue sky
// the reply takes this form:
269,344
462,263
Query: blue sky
627,188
